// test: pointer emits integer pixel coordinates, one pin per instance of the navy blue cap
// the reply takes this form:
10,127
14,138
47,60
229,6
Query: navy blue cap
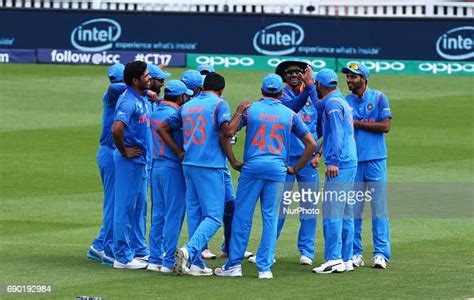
115,72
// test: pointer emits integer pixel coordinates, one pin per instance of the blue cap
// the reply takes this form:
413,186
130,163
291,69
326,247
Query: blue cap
208,68
156,72
327,78
192,79
177,88
115,72
358,69
272,83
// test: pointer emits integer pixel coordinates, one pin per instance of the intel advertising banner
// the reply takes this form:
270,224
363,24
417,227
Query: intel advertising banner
63,56
17,56
283,35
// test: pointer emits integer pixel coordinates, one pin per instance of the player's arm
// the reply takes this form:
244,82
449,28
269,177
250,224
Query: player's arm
299,102
334,141
229,128
173,122
118,128
227,147
317,156
302,132
382,126
114,91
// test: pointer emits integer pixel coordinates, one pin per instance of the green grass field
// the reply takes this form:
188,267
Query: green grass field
51,196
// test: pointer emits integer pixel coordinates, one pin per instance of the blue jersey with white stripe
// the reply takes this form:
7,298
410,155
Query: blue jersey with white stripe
201,119
131,110
162,153
338,131
372,107
270,125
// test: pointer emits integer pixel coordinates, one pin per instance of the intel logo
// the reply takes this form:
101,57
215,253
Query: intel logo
278,39
456,44
96,35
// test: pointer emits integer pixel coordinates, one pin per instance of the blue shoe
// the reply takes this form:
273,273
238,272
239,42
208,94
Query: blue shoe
95,254
107,261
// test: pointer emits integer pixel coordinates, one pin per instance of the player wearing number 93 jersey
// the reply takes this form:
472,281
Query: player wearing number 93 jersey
269,128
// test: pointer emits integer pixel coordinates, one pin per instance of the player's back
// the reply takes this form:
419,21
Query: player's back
162,153
267,139
201,131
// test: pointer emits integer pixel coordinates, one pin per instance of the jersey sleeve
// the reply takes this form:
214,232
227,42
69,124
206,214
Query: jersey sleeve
124,112
299,128
174,120
114,91
384,108
299,102
222,113
333,142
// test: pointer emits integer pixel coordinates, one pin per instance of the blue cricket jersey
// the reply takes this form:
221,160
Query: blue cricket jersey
373,107
109,101
200,119
309,116
131,110
338,131
162,153
270,125
297,102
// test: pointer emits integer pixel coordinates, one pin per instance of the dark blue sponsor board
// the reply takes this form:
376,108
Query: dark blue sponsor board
68,56
17,56
409,39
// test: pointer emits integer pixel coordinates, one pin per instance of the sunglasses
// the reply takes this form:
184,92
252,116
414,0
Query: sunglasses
354,66
293,71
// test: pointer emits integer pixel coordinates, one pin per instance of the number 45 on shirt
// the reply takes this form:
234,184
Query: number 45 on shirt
275,138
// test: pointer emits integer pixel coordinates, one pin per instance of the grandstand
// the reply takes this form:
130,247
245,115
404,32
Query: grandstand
351,8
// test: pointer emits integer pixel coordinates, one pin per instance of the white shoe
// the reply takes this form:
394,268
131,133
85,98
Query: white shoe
154,267
349,266
95,254
331,266
379,262
133,264
207,254
304,260
265,275
358,260
235,271
248,254
143,259
253,259
197,271
166,270
182,259
107,261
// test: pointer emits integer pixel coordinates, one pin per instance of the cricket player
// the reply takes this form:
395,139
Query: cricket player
102,247
308,178
130,134
167,183
340,156
202,119
371,112
269,128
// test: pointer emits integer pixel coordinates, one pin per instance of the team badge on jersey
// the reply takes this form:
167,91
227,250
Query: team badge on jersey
370,106
308,103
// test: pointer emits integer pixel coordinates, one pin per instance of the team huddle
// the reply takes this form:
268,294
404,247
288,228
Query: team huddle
180,144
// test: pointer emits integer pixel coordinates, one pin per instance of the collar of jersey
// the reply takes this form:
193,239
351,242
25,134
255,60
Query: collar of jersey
169,103
270,99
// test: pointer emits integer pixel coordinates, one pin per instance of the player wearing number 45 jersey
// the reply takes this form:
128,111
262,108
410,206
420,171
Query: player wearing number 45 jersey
269,128
203,119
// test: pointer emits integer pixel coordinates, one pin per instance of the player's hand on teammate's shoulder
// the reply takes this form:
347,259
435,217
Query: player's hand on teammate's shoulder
133,152
332,171
243,106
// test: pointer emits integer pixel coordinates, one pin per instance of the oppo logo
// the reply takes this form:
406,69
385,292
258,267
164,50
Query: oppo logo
315,64
446,68
278,39
456,44
378,66
226,61
96,35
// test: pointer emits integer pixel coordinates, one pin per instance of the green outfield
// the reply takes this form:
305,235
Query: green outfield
51,196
